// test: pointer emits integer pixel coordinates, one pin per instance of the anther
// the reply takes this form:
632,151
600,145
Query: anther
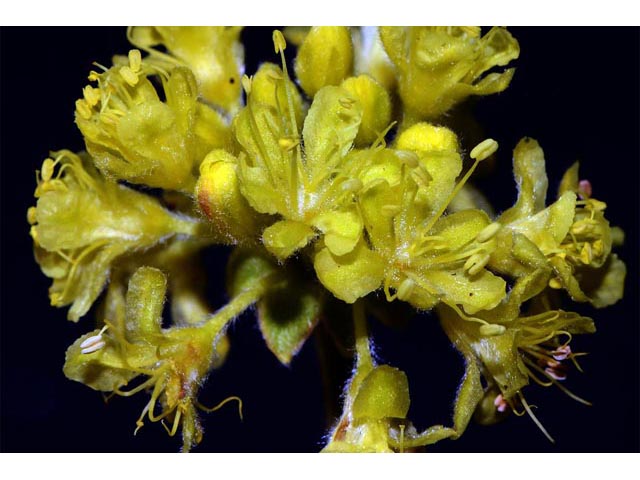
351,185
91,95
279,43
555,373
492,330
405,289
488,232
47,169
31,215
500,403
409,158
484,149
562,352
584,189
129,76
83,109
346,102
586,255
94,343
288,143
475,263
135,60
555,283
583,227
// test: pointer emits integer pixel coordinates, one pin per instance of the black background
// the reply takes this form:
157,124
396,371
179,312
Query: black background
576,90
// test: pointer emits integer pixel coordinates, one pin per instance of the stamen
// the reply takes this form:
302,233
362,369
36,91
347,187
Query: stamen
586,255
405,289
500,403
562,352
408,157
534,418
476,263
484,149
93,347
492,330
584,189
346,102
279,43
83,108
129,76
135,60
380,141
351,185
479,153
31,215
555,373
91,95
47,169
288,144
555,283
94,343
222,404
488,232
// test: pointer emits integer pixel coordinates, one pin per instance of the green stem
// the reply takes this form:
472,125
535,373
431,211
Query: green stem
235,307
363,348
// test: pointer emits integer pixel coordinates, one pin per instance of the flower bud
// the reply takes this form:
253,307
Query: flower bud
425,137
325,58
220,199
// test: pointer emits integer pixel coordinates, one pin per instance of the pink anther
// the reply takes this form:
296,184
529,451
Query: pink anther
584,189
561,353
500,403
556,373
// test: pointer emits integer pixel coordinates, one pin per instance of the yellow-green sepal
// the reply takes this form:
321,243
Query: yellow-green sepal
286,237
384,393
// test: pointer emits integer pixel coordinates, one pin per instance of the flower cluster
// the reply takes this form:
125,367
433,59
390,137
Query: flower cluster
340,186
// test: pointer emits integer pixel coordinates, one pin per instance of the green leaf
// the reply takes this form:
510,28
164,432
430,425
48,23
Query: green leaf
287,315
245,269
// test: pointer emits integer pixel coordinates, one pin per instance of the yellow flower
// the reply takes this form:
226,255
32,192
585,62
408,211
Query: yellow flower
415,250
133,135
214,54
175,360
570,237
438,67
83,223
309,187
531,347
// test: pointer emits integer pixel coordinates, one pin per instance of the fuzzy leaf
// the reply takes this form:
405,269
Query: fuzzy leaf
245,269
287,315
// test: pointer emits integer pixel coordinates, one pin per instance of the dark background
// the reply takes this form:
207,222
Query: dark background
576,90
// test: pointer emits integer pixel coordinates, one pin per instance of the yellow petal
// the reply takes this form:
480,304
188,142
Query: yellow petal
350,276
341,229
